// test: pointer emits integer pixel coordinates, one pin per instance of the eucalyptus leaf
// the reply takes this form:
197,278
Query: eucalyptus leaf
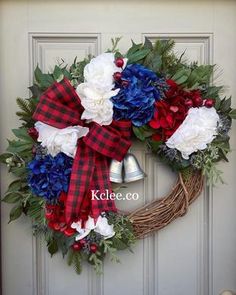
52,247
58,74
15,212
15,185
232,114
225,105
12,197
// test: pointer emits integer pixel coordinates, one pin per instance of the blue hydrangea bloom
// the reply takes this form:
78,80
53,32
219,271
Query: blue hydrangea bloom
49,176
138,92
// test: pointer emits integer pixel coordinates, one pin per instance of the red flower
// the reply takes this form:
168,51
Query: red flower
170,112
55,215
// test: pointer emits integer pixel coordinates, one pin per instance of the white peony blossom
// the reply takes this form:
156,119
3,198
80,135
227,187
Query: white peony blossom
60,140
97,89
101,226
96,103
99,72
198,129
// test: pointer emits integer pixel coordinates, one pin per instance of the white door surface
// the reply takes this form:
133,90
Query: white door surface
195,255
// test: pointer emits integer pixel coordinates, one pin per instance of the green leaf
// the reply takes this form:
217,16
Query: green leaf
19,171
119,244
12,197
133,49
38,75
17,146
5,156
148,43
15,212
181,76
66,73
154,145
212,92
52,247
15,185
225,105
35,90
58,74
138,133
77,262
22,133
143,132
203,73
138,55
153,61
70,257
43,80
217,103
232,114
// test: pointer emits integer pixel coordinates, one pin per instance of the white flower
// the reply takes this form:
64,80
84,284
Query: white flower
99,72
60,140
97,89
96,103
198,129
102,227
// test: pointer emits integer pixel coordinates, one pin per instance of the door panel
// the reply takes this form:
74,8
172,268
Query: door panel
195,254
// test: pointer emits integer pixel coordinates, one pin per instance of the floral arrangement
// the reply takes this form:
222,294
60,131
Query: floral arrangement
80,117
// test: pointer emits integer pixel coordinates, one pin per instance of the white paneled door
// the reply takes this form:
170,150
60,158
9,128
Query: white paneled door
196,255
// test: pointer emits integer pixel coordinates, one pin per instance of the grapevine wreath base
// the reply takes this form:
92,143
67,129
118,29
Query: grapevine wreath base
79,121
159,213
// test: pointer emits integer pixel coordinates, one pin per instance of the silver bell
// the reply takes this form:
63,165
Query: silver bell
132,169
116,171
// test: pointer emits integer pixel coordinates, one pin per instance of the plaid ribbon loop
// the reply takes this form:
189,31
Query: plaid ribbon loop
60,106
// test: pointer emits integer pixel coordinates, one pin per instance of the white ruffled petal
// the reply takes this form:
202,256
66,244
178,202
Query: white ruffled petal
83,234
198,129
60,140
104,228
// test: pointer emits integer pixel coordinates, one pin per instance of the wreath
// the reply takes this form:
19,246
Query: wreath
80,119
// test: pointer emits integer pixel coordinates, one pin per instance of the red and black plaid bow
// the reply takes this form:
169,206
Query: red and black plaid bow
59,106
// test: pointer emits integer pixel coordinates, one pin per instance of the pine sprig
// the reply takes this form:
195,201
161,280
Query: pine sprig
27,108
74,258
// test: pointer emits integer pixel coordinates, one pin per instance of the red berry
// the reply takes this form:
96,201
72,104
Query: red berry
49,215
209,103
117,76
76,247
69,231
93,248
56,226
33,133
198,101
188,103
119,62
82,242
